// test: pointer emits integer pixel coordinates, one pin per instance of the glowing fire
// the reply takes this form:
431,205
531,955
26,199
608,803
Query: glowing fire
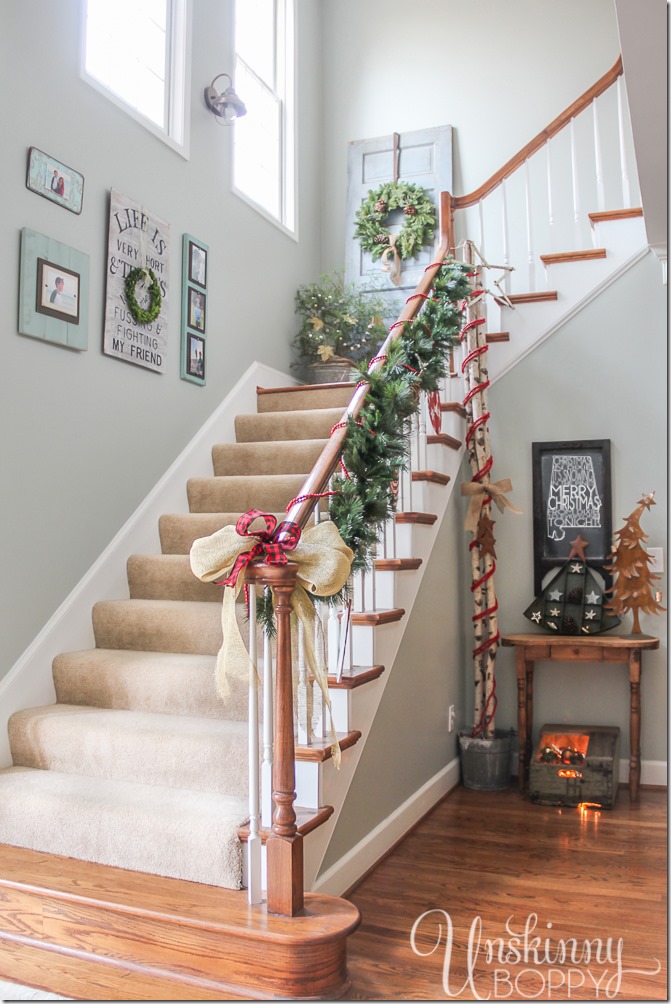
569,773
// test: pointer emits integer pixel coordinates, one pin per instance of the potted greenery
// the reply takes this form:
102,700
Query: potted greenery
341,324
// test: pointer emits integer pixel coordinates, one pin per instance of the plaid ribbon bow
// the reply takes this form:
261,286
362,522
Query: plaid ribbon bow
268,544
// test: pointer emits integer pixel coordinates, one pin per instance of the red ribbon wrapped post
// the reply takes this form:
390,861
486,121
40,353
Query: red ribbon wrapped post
271,543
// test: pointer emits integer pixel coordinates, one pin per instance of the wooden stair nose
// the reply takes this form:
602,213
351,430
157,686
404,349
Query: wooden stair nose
433,477
497,336
355,676
454,406
305,386
375,617
146,937
421,518
397,564
614,214
567,256
307,820
318,751
443,439
539,297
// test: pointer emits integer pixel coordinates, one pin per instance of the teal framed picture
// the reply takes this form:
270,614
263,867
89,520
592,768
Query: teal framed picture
53,180
53,291
195,260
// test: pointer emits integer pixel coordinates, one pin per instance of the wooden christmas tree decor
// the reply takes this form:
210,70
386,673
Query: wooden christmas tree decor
633,579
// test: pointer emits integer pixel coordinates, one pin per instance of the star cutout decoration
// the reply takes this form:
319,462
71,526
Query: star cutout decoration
590,615
536,616
555,612
593,598
578,548
576,567
555,594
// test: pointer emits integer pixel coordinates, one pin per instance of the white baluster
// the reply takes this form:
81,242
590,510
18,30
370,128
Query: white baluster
481,228
318,716
626,191
267,759
333,638
504,225
600,193
303,710
371,598
527,193
548,151
254,843
345,652
422,444
575,184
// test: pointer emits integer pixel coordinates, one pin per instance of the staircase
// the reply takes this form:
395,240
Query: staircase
138,768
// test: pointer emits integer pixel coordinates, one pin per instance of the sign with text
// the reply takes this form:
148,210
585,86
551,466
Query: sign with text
137,240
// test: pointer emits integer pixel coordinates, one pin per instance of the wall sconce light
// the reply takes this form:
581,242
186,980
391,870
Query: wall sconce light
227,105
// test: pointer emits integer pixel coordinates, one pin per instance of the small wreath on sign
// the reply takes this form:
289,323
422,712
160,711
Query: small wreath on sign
417,230
140,314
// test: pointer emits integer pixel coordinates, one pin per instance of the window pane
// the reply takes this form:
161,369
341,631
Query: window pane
257,160
126,51
255,37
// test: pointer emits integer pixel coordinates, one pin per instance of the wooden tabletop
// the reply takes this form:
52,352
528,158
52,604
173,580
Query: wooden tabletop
625,641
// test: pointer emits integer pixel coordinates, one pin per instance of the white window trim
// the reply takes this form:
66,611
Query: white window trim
288,138
177,135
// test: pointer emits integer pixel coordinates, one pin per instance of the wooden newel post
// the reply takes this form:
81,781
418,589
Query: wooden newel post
284,847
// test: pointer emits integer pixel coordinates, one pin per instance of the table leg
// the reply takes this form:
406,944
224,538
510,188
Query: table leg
634,724
522,721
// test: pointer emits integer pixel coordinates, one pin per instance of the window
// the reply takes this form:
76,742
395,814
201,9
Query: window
135,52
263,146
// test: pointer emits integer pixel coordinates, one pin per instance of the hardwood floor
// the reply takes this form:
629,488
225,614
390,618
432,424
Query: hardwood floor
589,889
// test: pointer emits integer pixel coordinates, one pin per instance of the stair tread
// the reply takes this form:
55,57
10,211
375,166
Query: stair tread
355,676
320,750
443,439
433,477
560,257
377,616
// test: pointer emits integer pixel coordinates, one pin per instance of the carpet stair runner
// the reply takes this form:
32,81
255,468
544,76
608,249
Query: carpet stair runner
139,764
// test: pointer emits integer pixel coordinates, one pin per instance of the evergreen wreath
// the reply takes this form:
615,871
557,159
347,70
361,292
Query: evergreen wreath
140,314
420,219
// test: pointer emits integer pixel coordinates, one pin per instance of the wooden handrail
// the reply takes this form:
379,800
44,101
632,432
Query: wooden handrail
579,105
327,462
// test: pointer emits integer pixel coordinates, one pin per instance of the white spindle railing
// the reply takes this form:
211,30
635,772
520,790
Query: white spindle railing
254,844
621,131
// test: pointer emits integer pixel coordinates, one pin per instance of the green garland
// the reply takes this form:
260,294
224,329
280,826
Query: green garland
419,226
140,314
375,451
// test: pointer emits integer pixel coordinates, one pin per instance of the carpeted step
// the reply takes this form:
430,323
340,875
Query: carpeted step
158,626
168,577
177,531
175,751
161,682
269,492
304,397
271,426
283,457
189,835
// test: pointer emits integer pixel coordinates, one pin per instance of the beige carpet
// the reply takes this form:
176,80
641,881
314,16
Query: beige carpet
139,764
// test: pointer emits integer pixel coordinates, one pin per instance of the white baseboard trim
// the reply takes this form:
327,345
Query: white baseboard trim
342,875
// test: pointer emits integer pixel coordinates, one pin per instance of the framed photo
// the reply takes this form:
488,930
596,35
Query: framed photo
197,264
196,309
57,292
55,181
195,356
571,497
53,291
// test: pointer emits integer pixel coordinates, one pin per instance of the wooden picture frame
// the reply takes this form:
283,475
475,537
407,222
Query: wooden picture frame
571,497
48,177
57,291
195,356
195,270
197,263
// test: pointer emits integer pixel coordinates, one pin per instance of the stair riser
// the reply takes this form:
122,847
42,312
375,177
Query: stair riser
294,400
286,425
179,530
152,577
261,458
79,743
196,631
241,495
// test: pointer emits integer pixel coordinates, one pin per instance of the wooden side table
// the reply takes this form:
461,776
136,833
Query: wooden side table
529,648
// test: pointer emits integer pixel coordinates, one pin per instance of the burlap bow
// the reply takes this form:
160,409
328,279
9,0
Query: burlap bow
478,492
324,563
394,268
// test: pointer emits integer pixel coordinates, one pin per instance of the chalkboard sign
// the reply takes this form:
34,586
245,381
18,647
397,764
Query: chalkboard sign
571,497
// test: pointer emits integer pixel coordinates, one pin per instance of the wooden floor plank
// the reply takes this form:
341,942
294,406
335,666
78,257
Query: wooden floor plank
482,861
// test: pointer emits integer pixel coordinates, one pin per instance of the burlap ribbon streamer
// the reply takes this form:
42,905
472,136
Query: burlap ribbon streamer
324,563
477,491
394,268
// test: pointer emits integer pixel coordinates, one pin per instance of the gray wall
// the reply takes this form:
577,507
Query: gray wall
86,436
602,376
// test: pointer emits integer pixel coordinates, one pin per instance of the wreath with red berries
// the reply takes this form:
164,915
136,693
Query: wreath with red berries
372,215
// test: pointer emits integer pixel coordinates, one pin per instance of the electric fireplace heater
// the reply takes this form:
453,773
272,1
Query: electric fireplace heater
574,765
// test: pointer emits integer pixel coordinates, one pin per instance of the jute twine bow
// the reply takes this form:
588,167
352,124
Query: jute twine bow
479,492
324,562
394,268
